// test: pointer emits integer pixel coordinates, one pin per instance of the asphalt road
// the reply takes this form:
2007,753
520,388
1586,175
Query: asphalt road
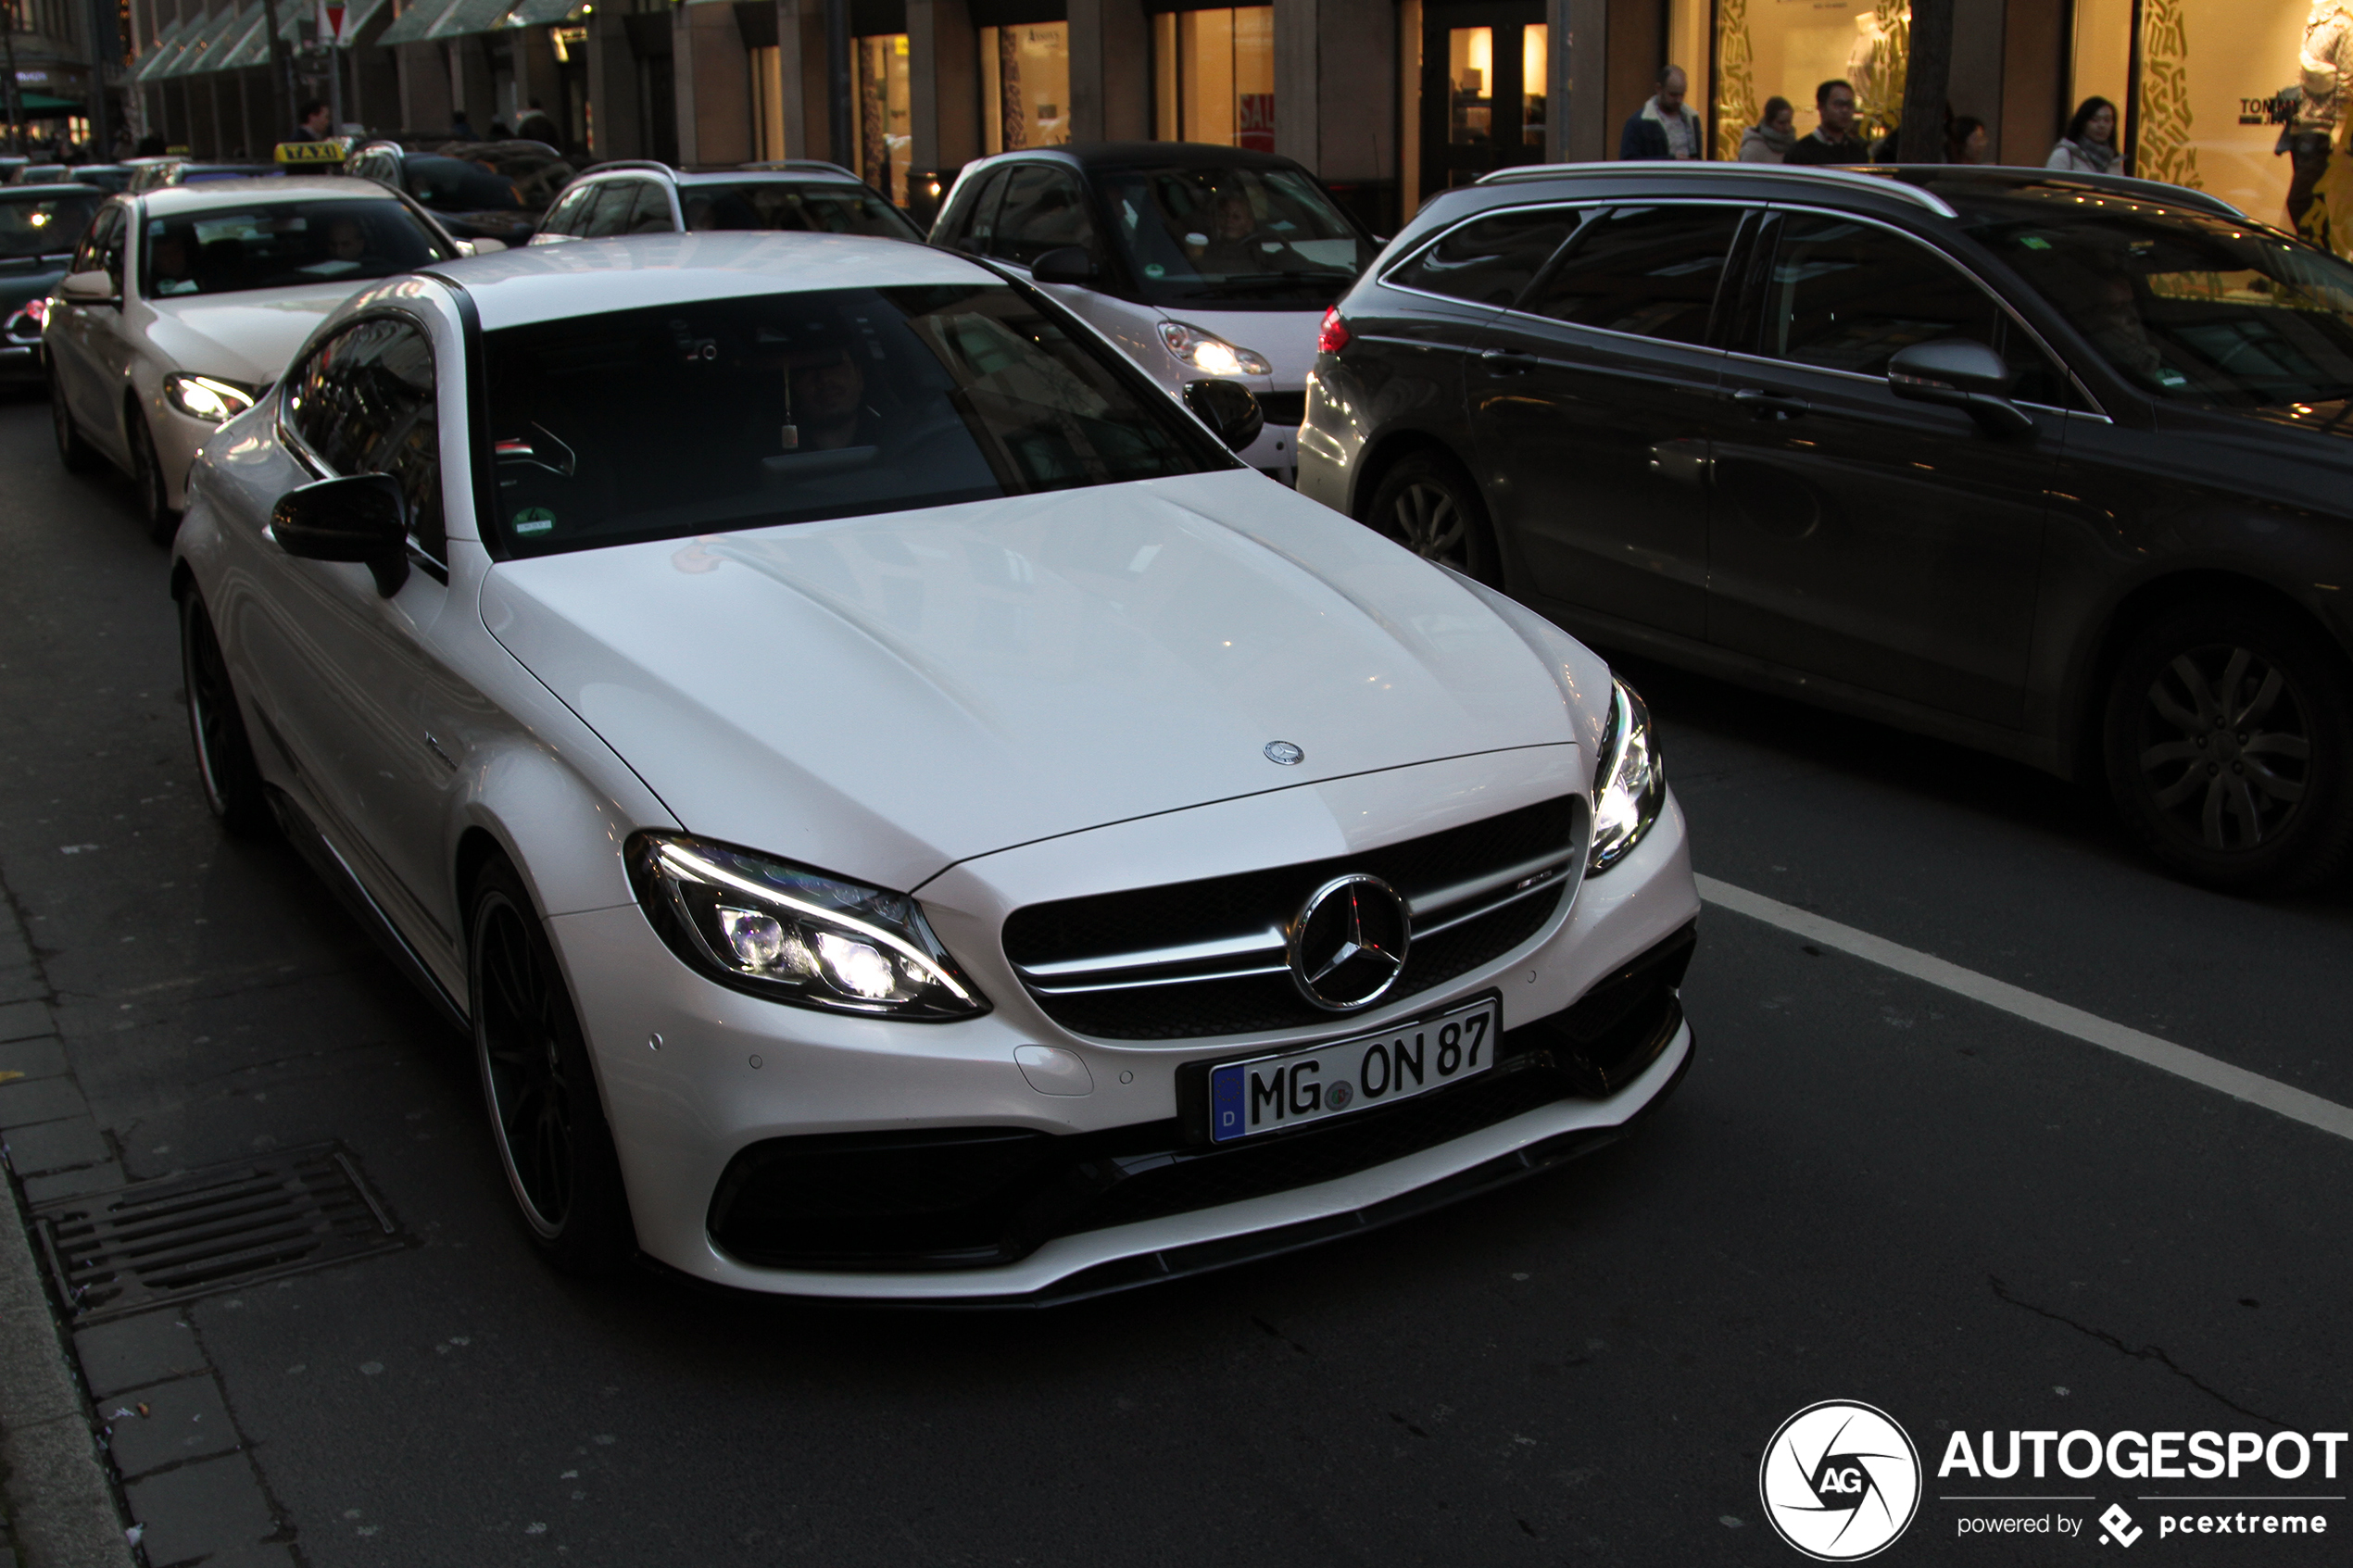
1867,1188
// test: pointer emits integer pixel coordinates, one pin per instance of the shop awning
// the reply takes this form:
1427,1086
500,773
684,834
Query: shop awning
357,17
472,15
247,43
412,25
196,56
167,45
542,13
41,103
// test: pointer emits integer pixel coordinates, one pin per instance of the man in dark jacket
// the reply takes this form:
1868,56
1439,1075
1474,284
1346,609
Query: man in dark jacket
1833,141
1664,127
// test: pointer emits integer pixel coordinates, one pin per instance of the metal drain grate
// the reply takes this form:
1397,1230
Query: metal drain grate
163,1241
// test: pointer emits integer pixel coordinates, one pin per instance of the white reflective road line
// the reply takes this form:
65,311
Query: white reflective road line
2146,1049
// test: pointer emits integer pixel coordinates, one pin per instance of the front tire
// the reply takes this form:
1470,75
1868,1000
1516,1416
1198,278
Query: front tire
225,764
75,453
146,471
1428,503
539,1086
2229,745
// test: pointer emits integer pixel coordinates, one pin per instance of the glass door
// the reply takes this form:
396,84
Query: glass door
1483,89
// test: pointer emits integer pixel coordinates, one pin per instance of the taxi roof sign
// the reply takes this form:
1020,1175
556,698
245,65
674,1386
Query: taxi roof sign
333,149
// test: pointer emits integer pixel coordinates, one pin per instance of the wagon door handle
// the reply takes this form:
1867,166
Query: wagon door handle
1763,405
1509,362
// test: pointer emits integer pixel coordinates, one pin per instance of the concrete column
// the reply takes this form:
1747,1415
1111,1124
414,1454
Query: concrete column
1110,71
943,84
612,89
1335,71
1975,85
800,60
1298,73
469,81
536,71
1579,121
714,75
424,88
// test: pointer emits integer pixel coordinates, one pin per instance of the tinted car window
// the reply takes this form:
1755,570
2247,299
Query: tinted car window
1043,210
565,215
649,213
1491,260
364,403
2186,306
788,407
1650,270
1843,295
281,245
976,219
611,215
458,186
814,209
44,224
1238,237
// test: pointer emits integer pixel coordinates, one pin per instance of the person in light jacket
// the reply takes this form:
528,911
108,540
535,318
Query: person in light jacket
1664,127
1769,139
2089,146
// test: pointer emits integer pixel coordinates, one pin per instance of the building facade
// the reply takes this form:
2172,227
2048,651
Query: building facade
1388,100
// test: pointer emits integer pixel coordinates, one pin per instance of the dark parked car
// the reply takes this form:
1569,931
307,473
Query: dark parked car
39,227
2057,466
478,190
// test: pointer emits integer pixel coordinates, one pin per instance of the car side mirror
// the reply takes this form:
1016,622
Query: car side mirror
1227,409
361,517
1960,373
480,247
1069,264
88,288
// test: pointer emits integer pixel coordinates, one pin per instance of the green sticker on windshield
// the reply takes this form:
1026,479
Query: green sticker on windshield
534,519
1155,269
2035,242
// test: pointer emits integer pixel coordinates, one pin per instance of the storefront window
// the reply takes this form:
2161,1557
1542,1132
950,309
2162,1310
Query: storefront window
767,102
1788,49
1214,77
883,139
1025,86
1470,73
1535,42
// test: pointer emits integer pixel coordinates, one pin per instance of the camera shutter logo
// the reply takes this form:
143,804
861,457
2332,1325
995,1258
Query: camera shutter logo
1839,1481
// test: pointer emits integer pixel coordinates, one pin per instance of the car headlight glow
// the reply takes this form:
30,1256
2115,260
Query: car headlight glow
794,935
1210,353
1630,787
206,397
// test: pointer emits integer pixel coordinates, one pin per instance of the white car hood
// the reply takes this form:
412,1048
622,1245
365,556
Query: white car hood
884,696
244,337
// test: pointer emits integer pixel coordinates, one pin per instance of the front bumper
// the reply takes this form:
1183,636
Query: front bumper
733,1072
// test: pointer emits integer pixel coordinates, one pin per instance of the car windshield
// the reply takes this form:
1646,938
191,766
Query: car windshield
1237,237
44,224
2189,308
785,407
772,203
283,244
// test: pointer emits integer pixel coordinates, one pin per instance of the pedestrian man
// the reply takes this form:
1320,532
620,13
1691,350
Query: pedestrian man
1664,127
315,122
1833,141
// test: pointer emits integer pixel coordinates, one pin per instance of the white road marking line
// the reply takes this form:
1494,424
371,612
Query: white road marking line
2148,1050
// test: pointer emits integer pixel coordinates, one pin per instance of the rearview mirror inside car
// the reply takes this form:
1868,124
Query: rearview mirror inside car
1068,265
1960,373
87,288
1227,409
361,517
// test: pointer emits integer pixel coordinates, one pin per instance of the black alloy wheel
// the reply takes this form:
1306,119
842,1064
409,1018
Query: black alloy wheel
225,764
2229,744
73,451
1427,503
540,1087
146,471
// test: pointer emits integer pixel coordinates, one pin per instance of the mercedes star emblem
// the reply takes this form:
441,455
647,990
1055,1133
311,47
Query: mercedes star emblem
1284,755
1348,943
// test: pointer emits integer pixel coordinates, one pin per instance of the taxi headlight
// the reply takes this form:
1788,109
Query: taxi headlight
207,397
794,935
1630,787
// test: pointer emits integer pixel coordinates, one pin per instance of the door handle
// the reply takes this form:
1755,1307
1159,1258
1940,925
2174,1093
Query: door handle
1509,362
1763,405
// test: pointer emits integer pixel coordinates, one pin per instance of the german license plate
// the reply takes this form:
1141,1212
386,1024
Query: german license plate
1247,1098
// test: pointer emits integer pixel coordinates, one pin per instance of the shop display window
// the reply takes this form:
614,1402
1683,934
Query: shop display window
1787,48
1025,86
884,142
1214,77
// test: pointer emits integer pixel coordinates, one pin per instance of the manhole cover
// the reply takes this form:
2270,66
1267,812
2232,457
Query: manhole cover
212,1230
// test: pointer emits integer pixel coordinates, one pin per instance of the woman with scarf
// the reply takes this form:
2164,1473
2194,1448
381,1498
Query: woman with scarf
1769,139
2089,146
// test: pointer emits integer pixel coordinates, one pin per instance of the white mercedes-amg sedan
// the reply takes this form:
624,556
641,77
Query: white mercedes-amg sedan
901,811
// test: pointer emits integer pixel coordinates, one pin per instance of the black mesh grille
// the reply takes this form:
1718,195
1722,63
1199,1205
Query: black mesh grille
1283,408
1233,906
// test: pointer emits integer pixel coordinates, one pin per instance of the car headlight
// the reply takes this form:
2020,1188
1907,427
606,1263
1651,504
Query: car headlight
207,397
1209,353
1629,787
794,935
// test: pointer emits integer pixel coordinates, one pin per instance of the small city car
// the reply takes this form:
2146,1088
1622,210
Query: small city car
2056,465
40,225
899,810
644,197
1201,262
184,302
